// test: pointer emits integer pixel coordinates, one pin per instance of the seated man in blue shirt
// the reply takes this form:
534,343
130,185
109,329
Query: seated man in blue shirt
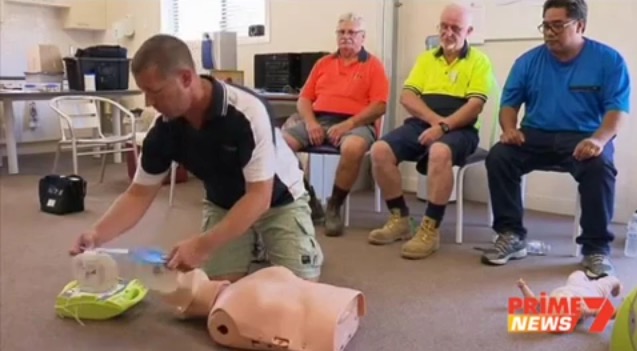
576,93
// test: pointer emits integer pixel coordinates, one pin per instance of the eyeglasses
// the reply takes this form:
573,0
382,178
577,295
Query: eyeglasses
350,32
555,27
443,27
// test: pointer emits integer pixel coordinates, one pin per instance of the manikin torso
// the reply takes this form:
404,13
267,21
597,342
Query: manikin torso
271,309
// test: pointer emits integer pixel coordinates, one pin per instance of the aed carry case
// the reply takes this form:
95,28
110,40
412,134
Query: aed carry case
60,194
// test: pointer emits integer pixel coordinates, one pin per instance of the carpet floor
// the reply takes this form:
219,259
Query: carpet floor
446,302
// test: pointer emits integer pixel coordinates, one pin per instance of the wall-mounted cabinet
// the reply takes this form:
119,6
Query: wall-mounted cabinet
51,3
85,14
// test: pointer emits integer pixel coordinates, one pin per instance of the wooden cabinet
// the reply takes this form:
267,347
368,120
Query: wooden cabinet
85,14
51,3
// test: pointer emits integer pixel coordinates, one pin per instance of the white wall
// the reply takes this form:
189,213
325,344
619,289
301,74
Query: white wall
301,25
546,191
21,28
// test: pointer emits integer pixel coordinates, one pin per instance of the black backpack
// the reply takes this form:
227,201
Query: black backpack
61,194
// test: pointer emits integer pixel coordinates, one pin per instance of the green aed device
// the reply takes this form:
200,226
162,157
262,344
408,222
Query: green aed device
97,292
624,336
74,303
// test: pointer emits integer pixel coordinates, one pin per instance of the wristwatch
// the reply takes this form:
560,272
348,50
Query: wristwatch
445,127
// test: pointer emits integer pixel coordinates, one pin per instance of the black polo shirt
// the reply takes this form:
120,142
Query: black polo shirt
236,144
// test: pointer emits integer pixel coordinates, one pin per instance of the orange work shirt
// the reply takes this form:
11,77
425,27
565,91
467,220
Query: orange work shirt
346,89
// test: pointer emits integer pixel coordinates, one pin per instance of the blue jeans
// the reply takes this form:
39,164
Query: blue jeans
506,164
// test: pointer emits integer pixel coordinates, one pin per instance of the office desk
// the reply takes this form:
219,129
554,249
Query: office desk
280,97
284,105
7,97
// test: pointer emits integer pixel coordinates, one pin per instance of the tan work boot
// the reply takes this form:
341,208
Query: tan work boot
425,242
397,228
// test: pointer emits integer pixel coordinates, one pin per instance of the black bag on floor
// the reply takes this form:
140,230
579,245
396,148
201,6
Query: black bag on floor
61,194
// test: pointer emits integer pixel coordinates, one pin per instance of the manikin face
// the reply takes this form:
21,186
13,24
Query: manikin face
350,36
560,32
454,29
170,95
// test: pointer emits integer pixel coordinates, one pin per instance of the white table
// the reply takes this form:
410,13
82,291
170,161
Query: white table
7,97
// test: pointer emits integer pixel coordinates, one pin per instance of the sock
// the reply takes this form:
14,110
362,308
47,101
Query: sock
398,203
435,212
338,197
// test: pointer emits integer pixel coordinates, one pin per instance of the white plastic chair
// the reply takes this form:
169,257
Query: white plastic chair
478,158
81,129
576,226
494,133
139,141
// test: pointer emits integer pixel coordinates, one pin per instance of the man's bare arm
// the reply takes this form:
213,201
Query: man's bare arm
304,108
252,205
125,212
508,118
613,120
369,114
414,105
466,115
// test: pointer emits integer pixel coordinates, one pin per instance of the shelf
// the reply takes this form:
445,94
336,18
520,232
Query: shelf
45,3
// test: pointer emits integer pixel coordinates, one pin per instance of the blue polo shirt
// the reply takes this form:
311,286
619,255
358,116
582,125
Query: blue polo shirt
568,96
237,144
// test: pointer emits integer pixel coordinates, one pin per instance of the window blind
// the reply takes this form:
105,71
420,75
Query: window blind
189,19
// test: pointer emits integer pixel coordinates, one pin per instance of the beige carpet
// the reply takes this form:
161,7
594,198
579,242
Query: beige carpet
447,302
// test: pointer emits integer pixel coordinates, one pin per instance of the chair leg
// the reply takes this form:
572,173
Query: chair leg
56,159
459,205
103,169
490,209
347,210
523,190
173,180
75,165
576,226
377,198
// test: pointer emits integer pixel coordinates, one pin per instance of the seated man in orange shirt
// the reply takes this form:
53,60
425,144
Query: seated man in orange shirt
344,95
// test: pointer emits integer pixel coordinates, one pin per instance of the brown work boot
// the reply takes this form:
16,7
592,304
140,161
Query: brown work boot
397,228
425,242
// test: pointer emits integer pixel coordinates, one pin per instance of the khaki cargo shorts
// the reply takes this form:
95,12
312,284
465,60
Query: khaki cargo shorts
283,236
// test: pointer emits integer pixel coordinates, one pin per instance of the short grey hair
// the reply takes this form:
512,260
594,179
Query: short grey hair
167,53
352,17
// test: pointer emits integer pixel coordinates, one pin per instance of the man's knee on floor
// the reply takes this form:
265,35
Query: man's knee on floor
440,155
353,148
382,154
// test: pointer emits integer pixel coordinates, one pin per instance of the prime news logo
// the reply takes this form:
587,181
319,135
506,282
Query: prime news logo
557,314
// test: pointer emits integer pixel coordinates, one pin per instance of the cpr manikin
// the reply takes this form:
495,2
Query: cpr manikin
270,309
579,285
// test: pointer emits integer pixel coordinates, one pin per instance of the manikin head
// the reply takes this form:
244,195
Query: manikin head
563,25
195,294
455,27
164,70
350,34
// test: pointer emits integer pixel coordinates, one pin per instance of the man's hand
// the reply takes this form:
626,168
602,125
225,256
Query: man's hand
588,148
512,137
86,241
336,132
315,132
189,254
430,135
